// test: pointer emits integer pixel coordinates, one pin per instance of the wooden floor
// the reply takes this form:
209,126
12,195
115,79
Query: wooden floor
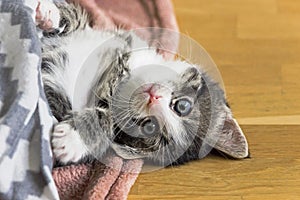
256,45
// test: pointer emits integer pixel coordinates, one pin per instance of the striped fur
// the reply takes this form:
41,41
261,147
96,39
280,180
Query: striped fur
92,125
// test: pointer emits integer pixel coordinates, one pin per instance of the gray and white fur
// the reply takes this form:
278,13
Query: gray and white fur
126,106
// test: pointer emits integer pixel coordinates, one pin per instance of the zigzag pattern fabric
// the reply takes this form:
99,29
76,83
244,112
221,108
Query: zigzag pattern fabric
25,120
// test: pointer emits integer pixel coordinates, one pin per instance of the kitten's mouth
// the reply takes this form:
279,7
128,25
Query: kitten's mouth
128,152
143,144
130,147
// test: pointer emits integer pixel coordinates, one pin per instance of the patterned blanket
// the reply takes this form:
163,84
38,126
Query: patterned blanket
25,120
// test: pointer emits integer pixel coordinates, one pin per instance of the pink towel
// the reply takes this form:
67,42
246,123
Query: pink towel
97,181
136,14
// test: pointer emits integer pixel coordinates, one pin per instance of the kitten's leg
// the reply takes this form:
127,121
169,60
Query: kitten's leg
47,15
82,134
73,17
89,132
60,16
78,134
57,99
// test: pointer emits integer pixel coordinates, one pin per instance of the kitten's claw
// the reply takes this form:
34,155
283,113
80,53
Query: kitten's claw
47,16
66,144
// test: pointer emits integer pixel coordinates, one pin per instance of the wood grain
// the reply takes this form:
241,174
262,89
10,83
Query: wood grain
272,172
256,45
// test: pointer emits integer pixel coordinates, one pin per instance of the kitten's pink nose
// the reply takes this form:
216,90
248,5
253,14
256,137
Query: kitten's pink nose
151,89
154,99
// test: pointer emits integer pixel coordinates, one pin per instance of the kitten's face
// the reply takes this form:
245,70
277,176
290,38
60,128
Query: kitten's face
158,114
153,111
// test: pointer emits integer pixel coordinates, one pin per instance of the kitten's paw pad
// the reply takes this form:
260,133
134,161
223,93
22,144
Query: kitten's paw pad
47,16
66,144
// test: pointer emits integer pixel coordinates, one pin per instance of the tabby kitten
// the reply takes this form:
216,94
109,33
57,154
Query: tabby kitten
136,102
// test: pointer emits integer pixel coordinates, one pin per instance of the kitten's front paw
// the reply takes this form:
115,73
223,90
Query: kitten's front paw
66,144
47,15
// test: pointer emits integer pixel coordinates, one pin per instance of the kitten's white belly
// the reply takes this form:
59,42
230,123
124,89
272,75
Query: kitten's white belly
82,68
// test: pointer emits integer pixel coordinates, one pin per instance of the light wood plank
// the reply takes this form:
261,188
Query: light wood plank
270,171
209,26
272,120
270,26
226,6
288,6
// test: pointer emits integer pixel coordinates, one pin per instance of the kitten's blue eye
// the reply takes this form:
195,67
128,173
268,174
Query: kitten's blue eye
149,127
183,107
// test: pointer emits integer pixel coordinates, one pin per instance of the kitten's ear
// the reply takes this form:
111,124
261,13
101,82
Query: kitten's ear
192,77
232,140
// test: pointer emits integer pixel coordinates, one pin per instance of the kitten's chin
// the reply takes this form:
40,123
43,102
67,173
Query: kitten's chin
127,152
